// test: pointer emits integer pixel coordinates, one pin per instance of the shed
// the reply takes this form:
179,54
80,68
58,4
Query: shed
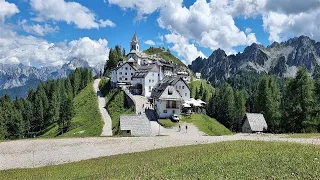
254,122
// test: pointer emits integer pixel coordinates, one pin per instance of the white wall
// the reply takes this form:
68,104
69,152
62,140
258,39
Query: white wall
150,81
161,106
184,91
125,73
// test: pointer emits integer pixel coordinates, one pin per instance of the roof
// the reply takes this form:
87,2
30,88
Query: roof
257,122
131,60
135,38
135,68
161,86
144,70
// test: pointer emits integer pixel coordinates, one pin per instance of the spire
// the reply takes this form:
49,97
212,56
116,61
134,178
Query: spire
135,38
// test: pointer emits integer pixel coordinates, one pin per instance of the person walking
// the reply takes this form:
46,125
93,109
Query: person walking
179,128
186,128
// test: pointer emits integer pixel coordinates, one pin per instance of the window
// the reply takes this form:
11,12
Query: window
126,79
131,79
125,73
179,87
152,80
182,87
120,73
185,94
165,111
150,88
152,74
149,80
173,111
120,78
126,68
131,74
130,68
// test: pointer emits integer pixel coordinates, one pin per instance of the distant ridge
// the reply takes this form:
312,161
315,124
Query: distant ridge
280,59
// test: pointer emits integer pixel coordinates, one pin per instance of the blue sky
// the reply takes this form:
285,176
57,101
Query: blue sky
188,28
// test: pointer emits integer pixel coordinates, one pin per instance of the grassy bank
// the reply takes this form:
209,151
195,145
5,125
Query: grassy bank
87,120
194,85
225,160
116,104
207,125
167,123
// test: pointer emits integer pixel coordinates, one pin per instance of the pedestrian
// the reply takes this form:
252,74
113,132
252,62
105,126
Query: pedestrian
142,105
186,128
179,128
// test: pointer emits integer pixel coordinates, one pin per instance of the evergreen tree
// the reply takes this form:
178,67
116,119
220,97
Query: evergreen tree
197,96
45,104
124,52
240,109
66,113
201,90
54,106
268,101
38,113
2,133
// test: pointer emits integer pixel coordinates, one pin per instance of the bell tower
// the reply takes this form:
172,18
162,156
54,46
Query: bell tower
134,45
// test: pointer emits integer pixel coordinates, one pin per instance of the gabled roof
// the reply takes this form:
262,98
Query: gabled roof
168,81
135,68
257,122
131,60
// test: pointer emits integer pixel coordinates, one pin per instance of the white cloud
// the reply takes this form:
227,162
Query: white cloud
188,51
143,7
248,30
70,12
106,23
7,10
37,29
150,42
206,24
34,51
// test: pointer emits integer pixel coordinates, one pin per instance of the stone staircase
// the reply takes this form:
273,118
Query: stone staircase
138,125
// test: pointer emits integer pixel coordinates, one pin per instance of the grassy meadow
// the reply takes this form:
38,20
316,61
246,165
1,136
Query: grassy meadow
167,123
304,135
224,160
196,84
87,120
207,125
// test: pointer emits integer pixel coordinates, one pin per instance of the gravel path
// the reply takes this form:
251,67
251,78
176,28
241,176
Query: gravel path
107,127
44,152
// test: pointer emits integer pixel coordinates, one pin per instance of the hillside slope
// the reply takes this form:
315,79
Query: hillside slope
280,59
87,120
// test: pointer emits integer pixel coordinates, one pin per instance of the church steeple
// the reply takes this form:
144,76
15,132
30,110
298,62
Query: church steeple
134,45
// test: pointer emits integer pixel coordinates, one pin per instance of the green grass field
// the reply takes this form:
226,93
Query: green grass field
304,135
87,120
207,125
196,85
225,160
167,123
164,54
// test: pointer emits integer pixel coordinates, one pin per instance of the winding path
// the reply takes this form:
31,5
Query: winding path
107,127
45,152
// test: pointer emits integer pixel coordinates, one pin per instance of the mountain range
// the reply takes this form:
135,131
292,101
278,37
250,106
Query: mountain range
280,59
16,80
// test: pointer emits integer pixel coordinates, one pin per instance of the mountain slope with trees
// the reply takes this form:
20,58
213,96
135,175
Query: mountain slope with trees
50,104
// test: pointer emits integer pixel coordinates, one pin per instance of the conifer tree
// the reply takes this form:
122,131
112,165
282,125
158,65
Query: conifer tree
240,109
